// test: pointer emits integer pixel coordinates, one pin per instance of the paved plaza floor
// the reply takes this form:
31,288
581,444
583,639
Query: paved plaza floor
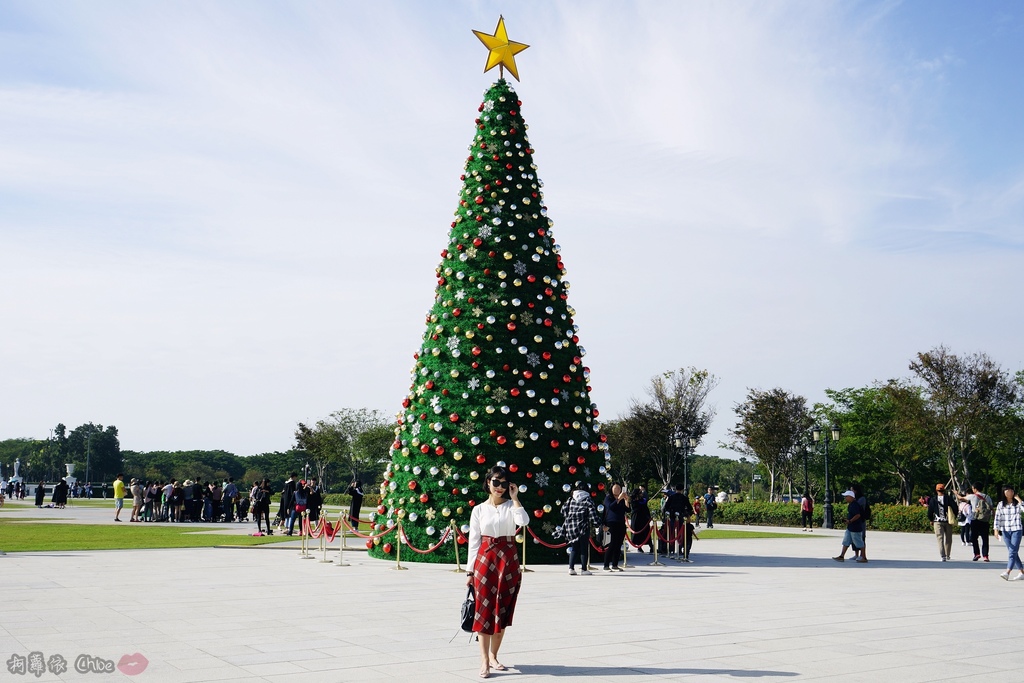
776,609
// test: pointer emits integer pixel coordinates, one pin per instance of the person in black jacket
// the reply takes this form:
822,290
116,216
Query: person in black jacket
314,501
939,507
640,518
615,505
284,511
355,489
678,510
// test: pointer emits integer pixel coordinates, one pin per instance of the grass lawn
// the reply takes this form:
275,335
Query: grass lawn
730,533
35,537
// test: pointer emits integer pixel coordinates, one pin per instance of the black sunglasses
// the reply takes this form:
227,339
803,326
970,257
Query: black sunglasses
500,483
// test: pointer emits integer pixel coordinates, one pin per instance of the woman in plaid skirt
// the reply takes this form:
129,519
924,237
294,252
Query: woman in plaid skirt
495,574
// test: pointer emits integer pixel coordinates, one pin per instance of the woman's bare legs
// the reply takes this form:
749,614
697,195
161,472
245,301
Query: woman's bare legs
485,647
494,646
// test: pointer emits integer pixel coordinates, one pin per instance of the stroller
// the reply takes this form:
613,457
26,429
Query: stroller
243,510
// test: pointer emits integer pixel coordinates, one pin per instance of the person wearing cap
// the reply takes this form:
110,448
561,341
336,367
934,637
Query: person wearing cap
854,536
942,508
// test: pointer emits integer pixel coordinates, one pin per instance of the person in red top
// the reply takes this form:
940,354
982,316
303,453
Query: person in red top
806,512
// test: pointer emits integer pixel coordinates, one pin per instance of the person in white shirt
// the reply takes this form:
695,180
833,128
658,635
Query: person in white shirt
495,574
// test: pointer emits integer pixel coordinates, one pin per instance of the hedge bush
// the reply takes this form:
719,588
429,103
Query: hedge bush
370,500
883,517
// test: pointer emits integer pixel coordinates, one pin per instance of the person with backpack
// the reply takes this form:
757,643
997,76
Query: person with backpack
807,512
260,497
981,507
710,505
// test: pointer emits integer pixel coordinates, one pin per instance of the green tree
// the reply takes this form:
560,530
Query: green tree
772,427
676,408
630,461
970,398
337,444
886,434
499,377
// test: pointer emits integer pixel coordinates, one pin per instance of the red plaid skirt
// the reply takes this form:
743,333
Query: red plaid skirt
496,578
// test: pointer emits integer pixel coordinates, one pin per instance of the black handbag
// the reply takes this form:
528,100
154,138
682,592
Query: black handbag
468,610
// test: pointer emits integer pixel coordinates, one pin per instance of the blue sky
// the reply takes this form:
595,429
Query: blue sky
219,219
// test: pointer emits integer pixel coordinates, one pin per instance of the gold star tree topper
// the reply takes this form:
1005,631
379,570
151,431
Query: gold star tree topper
502,51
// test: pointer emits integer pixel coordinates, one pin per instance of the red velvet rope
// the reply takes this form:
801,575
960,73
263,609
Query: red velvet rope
444,539
368,536
332,531
643,542
546,545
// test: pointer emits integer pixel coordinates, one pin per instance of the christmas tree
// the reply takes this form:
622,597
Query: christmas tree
499,378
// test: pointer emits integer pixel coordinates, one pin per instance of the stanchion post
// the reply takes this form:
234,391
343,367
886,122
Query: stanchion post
341,548
654,544
523,565
398,549
455,541
625,550
305,538
686,539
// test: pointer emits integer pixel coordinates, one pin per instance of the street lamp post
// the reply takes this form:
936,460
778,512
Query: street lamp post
806,489
822,435
753,478
687,444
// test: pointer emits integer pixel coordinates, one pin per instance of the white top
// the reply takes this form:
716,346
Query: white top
490,520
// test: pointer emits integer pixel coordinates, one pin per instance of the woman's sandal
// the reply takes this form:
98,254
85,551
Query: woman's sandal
485,673
498,666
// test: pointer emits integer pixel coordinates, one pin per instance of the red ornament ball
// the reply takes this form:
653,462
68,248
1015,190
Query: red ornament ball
412,485
387,548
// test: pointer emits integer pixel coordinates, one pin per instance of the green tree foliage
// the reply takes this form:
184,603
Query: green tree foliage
676,407
347,442
970,398
630,461
772,427
500,375
27,451
887,437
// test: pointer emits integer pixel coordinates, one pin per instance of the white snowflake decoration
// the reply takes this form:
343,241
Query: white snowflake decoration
453,343
520,267
461,294
485,232
584,430
473,383
542,479
533,359
416,429
434,402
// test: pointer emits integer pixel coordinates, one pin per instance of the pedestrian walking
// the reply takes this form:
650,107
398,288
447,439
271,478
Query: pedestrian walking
807,512
854,536
981,511
942,512
710,505
1008,527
